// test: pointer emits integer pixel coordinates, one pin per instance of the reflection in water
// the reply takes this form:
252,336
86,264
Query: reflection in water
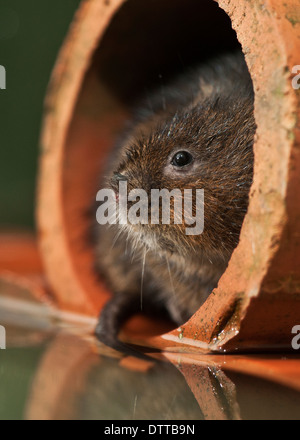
47,374
159,394
215,393
72,382
231,395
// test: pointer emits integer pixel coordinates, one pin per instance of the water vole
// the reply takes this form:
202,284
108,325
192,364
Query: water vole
197,134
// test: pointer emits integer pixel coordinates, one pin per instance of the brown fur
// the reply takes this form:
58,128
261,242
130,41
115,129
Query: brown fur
208,112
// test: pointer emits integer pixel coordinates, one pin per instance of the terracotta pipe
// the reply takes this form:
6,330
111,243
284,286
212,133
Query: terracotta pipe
21,269
258,299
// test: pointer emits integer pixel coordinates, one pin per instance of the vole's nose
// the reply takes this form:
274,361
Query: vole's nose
117,177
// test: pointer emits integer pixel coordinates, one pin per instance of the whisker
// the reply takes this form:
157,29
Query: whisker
170,274
117,236
142,280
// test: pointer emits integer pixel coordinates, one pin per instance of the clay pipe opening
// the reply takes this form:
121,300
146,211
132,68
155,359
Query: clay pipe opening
98,75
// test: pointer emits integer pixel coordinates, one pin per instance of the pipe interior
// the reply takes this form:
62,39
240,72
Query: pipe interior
149,42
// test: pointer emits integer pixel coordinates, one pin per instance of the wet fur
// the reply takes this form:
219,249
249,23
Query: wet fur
158,268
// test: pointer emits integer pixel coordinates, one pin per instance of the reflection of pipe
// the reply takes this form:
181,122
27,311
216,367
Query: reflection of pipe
282,370
61,374
66,377
214,392
71,372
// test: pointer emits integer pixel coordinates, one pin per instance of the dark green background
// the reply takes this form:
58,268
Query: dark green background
31,33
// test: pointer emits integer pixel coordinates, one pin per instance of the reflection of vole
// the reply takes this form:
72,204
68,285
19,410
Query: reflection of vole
114,393
197,134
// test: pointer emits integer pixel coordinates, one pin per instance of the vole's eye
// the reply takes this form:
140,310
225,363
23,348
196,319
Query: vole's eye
182,159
